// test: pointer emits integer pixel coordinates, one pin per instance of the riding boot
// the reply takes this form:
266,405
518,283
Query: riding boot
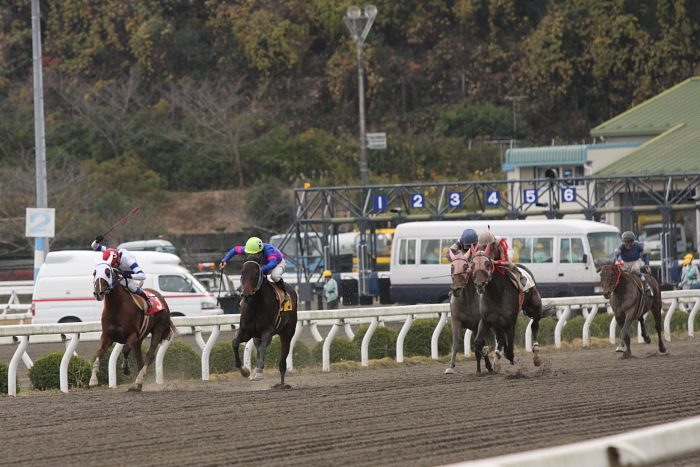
140,292
647,289
280,284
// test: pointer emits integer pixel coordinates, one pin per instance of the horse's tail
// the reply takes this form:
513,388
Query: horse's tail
549,311
169,331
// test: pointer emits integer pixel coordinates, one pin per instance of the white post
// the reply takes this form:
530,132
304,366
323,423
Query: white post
65,361
402,336
12,370
364,354
436,336
112,368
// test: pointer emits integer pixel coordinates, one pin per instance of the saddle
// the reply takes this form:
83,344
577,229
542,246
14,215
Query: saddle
637,280
284,304
156,304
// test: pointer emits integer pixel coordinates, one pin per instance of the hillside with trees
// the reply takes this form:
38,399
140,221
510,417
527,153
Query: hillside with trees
143,99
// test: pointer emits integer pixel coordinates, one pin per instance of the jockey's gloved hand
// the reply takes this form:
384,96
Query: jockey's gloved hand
126,275
99,239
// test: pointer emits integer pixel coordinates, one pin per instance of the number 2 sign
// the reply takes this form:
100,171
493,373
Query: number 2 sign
41,222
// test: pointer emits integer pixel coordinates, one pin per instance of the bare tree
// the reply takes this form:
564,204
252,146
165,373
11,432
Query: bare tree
224,111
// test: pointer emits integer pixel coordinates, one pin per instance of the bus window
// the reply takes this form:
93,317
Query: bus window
543,250
407,251
522,250
430,251
603,245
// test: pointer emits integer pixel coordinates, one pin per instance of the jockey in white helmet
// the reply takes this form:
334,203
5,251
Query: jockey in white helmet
125,261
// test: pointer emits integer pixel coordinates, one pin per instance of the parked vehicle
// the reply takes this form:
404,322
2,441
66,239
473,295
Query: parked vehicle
63,287
562,255
651,235
225,288
156,244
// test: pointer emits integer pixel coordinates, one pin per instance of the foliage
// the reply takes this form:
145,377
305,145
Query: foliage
221,358
545,334
45,373
181,362
4,370
382,344
301,355
419,336
342,350
268,208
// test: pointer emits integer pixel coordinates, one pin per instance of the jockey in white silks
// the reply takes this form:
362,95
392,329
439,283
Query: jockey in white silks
125,261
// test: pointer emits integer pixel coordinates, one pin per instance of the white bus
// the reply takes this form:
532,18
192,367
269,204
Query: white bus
562,255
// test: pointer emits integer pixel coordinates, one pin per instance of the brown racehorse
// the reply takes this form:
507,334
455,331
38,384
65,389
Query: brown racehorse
626,300
500,304
464,311
261,319
125,323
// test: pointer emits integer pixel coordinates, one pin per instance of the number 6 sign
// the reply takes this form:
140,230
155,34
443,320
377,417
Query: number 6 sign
41,222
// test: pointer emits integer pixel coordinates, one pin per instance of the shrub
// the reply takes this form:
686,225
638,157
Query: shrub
45,373
545,335
418,338
4,370
602,325
573,329
382,344
221,358
301,354
181,362
342,350
103,374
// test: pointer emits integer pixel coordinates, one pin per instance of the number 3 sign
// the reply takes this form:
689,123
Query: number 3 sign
41,222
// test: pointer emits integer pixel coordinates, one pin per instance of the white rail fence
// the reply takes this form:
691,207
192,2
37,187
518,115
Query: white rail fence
13,308
337,319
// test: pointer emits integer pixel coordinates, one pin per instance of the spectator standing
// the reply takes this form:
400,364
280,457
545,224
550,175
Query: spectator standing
330,290
690,280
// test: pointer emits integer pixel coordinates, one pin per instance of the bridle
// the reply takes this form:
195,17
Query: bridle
112,281
465,273
618,272
246,297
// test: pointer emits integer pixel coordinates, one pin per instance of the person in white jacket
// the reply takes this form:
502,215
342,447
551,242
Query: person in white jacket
132,274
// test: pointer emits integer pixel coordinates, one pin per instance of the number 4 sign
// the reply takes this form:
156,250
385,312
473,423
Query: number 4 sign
41,222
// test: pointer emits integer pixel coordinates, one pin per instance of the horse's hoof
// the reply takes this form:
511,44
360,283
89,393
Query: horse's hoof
647,340
535,347
620,349
496,367
449,371
497,353
137,388
257,376
537,360
93,382
245,372
281,386
127,371
662,349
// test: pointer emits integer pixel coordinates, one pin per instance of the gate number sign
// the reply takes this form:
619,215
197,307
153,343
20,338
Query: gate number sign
493,198
530,195
417,201
454,199
41,222
379,202
568,194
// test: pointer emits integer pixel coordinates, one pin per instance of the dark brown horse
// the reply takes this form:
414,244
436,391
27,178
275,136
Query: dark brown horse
124,322
261,319
464,311
628,304
500,303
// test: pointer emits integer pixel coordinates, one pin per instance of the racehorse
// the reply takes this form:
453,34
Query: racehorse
500,303
628,304
262,317
464,309
123,321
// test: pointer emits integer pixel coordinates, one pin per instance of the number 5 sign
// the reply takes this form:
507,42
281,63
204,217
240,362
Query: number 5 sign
41,222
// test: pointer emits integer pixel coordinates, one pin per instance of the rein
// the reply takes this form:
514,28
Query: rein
488,271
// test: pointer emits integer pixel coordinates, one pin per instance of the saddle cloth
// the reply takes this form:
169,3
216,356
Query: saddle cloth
285,305
156,304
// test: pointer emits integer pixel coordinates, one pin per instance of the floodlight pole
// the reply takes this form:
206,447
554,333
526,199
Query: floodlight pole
515,99
354,19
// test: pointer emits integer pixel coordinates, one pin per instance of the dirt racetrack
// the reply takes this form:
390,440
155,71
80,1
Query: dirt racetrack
409,415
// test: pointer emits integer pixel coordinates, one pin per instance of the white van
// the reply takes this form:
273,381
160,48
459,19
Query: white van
63,287
562,255
156,244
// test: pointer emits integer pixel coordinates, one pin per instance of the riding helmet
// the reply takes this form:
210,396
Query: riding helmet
469,237
112,256
253,245
628,237
485,238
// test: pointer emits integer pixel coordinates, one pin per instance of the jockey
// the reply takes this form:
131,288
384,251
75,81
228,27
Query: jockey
500,253
468,239
631,256
270,258
125,262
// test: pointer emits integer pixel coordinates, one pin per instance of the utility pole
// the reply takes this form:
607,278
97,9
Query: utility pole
515,99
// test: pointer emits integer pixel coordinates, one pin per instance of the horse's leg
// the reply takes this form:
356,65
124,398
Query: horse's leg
499,342
261,346
156,336
126,350
240,336
479,347
656,313
508,346
285,348
105,342
624,333
456,328
534,306
645,335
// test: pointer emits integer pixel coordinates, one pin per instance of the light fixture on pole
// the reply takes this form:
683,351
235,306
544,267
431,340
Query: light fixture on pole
359,24
515,99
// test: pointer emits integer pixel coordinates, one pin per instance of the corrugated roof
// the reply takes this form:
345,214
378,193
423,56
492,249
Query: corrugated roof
548,155
673,118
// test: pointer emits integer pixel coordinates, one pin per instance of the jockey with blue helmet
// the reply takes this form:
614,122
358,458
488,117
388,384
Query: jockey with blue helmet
463,245
631,256
270,259
125,262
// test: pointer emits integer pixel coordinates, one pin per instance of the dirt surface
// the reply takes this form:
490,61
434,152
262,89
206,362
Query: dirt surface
412,414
